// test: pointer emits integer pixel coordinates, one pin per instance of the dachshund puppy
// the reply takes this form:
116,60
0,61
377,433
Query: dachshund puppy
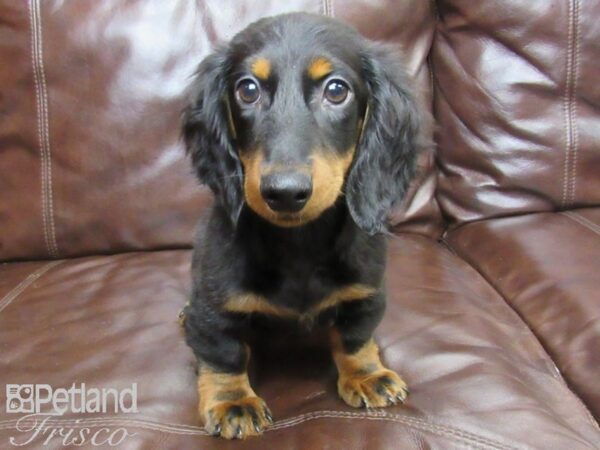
306,132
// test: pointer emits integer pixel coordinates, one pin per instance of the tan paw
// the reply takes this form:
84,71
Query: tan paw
382,387
237,418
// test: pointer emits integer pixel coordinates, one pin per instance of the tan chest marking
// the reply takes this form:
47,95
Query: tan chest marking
252,303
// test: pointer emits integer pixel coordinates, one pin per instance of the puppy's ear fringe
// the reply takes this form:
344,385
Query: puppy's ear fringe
207,134
389,144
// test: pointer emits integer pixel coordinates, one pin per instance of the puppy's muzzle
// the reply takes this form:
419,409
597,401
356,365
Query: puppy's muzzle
286,192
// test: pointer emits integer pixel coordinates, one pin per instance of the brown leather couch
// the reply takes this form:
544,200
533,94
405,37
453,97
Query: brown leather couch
494,268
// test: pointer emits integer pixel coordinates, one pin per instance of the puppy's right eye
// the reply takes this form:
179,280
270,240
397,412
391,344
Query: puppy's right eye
247,91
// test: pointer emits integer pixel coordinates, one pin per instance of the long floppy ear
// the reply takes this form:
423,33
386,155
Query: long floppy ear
208,133
387,148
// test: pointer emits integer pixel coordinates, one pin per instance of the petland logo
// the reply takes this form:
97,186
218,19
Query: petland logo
42,403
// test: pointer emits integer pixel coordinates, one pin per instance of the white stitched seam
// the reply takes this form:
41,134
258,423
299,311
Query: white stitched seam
420,424
19,288
326,8
575,130
567,106
39,124
583,221
43,127
46,116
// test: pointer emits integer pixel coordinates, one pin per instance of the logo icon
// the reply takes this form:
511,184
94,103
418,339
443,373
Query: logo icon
20,398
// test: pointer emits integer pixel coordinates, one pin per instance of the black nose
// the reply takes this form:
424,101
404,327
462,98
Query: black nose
286,192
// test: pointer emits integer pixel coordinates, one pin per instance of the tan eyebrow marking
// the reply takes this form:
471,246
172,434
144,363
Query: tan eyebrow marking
261,68
319,67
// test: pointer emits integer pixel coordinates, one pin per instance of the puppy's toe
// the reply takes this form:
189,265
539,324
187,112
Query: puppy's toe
238,419
376,389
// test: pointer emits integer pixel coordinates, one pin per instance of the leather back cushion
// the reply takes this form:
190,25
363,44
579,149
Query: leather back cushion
517,101
90,99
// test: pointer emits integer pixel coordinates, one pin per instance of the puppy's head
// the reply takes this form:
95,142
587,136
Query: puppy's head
296,111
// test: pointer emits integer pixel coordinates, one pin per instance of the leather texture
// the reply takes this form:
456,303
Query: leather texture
479,377
546,267
495,326
91,105
521,133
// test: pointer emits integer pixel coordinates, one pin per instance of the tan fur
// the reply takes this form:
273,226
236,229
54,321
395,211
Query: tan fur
253,171
221,393
346,294
328,174
261,68
319,68
362,378
327,170
251,303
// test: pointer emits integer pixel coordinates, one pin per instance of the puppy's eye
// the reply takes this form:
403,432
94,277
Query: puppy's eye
248,91
336,91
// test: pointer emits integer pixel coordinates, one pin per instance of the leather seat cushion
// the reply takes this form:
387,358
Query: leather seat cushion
479,377
546,267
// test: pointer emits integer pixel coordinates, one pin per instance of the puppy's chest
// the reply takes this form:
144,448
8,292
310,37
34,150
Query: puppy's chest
300,290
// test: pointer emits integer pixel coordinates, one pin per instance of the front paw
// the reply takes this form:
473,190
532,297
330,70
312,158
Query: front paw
382,387
237,419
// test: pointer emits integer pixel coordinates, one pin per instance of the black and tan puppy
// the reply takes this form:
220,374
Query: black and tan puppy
306,133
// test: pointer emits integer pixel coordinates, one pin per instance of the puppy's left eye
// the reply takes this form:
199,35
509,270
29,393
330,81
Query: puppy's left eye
248,91
336,91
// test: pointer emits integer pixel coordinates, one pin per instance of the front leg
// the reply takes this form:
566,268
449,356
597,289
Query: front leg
228,406
363,381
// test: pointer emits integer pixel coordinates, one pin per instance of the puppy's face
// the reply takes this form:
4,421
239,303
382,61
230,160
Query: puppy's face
297,108
296,111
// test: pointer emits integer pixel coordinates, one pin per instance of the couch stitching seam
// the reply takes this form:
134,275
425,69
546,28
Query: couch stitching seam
325,4
583,221
410,422
39,126
43,128
575,130
47,135
567,106
24,284
414,423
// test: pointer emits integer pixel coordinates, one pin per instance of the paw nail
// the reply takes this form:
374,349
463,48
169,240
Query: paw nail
216,430
257,427
269,416
238,432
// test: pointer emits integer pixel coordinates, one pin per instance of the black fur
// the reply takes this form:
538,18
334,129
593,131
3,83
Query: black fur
207,137
386,159
238,251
